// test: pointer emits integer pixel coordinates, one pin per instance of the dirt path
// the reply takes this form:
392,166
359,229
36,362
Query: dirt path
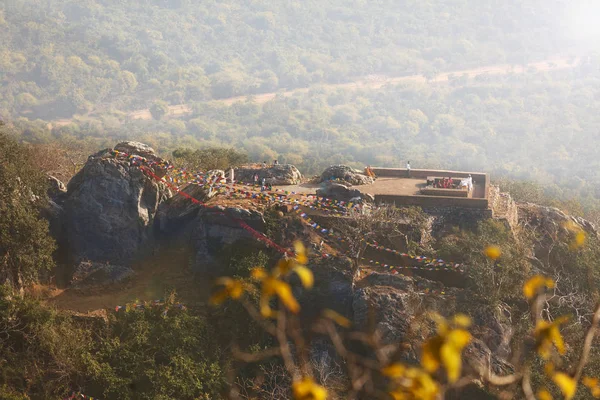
155,277
370,82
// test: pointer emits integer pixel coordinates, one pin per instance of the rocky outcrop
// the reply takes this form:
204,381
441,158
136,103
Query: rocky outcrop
281,174
400,282
179,210
346,174
340,192
208,230
145,151
218,227
57,191
383,308
110,206
551,219
90,275
54,211
334,288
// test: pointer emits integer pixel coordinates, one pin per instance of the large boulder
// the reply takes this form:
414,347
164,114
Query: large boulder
218,227
340,192
333,289
90,275
552,220
110,206
179,210
207,230
346,174
156,163
54,211
138,149
281,174
385,309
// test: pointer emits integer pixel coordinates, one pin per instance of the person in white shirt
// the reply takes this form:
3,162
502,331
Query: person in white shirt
408,168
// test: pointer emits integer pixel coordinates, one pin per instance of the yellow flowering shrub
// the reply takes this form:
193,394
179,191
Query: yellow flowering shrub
441,358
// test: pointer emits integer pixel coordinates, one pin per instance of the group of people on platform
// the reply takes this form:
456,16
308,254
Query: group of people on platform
445,183
448,183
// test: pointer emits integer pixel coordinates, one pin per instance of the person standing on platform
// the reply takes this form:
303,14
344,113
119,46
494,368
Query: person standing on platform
408,169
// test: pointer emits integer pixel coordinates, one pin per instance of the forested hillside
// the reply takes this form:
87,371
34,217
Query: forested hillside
60,57
538,126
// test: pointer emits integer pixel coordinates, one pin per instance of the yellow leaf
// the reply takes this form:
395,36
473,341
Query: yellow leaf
452,362
307,389
232,288
395,370
461,320
300,253
337,318
305,275
258,273
534,284
567,385
450,353
458,338
236,290
265,308
398,395
219,297
430,354
548,333
578,241
492,252
284,266
284,292
544,395
590,382
442,325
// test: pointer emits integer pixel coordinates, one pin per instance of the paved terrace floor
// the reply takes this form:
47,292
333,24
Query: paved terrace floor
397,186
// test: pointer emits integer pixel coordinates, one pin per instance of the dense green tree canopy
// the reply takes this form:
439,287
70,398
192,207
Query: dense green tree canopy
61,57
25,244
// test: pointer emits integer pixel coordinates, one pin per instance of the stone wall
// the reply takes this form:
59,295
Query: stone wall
424,173
503,207
431,201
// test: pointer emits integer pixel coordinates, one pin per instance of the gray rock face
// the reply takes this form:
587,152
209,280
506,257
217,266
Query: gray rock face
400,282
54,211
207,230
552,219
283,174
218,227
333,288
340,192
96,275
109,208
56,190
386,307
346,174
137,148
179,210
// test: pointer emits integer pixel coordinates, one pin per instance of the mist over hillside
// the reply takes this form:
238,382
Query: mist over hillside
71,56
98,70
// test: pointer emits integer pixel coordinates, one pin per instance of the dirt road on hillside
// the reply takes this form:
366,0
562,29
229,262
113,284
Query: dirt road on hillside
370,82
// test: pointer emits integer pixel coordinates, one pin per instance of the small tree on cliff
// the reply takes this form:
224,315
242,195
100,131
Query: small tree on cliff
25,244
